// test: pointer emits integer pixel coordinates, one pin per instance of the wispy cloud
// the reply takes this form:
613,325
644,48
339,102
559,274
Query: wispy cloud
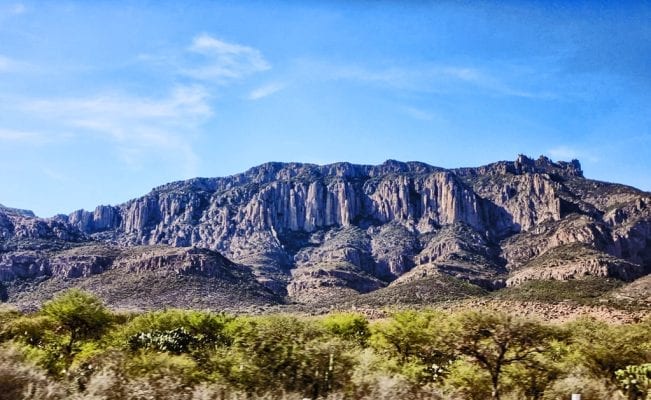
17,136
265,90
55,175
7,64
142,128
428,78
417,113
136,126
184,104
222,61
12,9
18,8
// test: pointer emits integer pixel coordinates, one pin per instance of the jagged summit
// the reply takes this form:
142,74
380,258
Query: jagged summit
276,170
524,164
272,171
309,232
17,211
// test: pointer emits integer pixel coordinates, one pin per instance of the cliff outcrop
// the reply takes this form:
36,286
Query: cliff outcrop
308,231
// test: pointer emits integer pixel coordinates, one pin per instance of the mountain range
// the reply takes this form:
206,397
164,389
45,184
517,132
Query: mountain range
292,233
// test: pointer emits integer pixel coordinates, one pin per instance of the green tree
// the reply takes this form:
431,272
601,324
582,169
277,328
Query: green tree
536,374
278,353
495,341
79,314
414,340
350,327
603,349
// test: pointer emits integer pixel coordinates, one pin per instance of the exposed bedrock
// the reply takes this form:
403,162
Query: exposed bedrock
300,229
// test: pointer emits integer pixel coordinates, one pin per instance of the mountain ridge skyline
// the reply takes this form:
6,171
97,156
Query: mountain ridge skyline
308,233
289,163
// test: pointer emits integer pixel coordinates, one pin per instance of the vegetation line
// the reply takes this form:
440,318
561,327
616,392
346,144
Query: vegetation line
75,348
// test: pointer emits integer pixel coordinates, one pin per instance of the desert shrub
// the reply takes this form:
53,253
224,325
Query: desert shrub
324,366
158,366
467,381
49,357
20,379
78,314
351,327
603,349
207,328
535,374
37,337
7,315
111,385
635,381
370,379
51,337
91,358
590,388
35,330
284,353
174,341
194,355
413,342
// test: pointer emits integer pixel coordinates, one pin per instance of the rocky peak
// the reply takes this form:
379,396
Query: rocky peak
16,211
305,228
399,167
524,165
544,165
24,229
103,218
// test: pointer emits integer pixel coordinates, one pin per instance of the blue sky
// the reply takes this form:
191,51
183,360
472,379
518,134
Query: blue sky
101,101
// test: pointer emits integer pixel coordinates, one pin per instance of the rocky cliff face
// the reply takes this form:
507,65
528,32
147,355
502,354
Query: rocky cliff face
307,230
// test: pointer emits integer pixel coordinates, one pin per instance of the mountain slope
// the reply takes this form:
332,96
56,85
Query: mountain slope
310,233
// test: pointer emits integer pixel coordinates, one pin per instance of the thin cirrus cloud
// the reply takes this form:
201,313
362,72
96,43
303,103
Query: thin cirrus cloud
221,61
265,91
7,64
417,113
429,78
12,9
18,8
55,175
18,136
136,126
140,128
184,103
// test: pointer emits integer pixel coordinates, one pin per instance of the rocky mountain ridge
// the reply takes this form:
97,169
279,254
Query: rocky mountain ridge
307,232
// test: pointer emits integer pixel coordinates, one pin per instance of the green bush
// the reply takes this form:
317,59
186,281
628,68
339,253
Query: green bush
351,327
603,349
175,341
35,330
414,344
207,328
78,314
192,355
20,380
635,381
467,381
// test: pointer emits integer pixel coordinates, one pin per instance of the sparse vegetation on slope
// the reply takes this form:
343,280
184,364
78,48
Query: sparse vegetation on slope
586,291
74,348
